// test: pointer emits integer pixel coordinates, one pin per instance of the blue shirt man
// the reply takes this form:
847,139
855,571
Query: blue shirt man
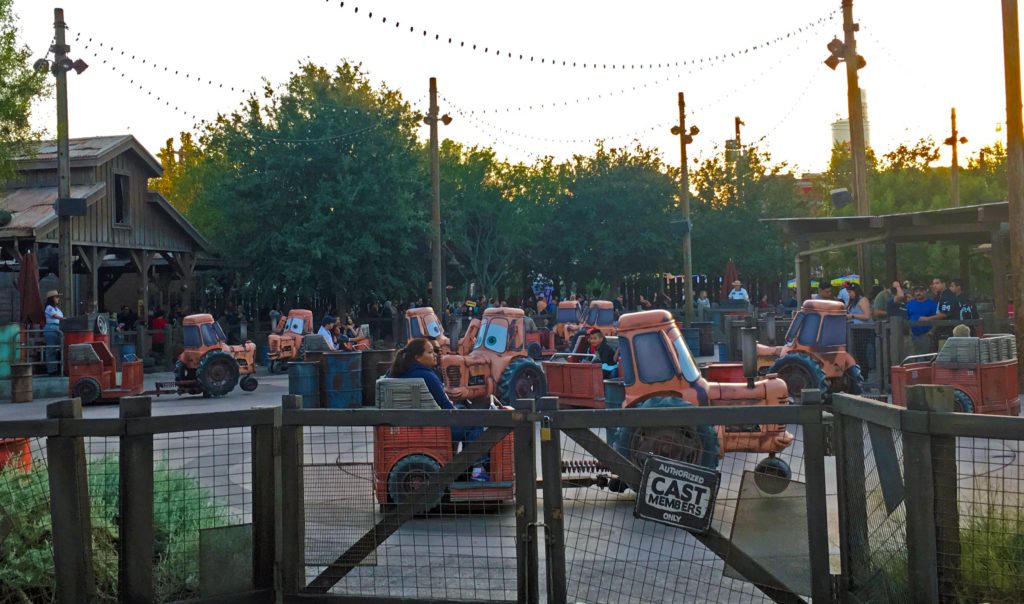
918,308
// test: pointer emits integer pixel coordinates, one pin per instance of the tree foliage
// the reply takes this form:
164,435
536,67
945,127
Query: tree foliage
317,189
183,174
20,85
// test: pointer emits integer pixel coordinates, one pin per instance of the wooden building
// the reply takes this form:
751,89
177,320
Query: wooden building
129,233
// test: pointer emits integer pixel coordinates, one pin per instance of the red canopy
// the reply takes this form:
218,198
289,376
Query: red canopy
28,291
728,277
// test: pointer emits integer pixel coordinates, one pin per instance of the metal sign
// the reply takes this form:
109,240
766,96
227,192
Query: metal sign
678,494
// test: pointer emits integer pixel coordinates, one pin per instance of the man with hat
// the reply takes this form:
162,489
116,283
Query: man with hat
738,292
51,330
327,330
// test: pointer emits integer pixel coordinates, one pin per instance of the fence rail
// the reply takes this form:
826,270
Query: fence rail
197,507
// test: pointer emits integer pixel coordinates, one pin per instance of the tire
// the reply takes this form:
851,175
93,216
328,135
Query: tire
799,371
854,380
523,378
962,403
87,389
534,350
693,444
217,373
772,475
180,371
408,475
248,383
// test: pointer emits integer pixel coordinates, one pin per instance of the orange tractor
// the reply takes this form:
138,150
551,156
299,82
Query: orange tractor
209,365
497,365
599,314
814,354
285,344
423,323
658,372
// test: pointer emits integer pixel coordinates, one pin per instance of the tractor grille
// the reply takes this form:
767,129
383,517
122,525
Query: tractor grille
453,376
273,344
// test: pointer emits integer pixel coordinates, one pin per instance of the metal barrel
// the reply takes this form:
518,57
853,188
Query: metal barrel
21,383
373,360
343,383
304,380
691,335
128,351
707,339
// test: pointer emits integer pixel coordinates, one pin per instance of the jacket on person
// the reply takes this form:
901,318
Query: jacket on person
418,370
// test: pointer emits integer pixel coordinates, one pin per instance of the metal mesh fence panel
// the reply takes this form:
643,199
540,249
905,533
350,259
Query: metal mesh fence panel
981,556
26,545
202,481
102,471
462,547
867,346
886,547
613,556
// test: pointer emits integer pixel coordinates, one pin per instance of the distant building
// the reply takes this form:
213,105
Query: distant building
841,127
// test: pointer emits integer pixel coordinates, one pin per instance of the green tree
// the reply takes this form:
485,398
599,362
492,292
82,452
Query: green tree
20,85
318,189
183,172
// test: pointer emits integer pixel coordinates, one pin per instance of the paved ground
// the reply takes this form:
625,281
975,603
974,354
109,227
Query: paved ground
469,552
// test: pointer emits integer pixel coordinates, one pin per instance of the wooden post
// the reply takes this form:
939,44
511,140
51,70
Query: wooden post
292,540
891,268
69,509
1014,164
852,500
999,270
803,272
936,456
135,507
266,490
526,512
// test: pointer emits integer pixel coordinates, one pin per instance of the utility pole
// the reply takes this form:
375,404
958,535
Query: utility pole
437,274
1014,167
954,142
845,51
685,138
60,57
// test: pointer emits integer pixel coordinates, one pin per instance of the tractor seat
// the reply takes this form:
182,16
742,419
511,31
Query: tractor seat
315,343
404,393
82,354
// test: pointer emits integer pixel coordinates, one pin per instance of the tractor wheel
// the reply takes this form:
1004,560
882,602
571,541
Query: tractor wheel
772,475
523,378
854,380
962,403
180,371
799,371
408,476
248,383
217,373
534,350
692,444
87,389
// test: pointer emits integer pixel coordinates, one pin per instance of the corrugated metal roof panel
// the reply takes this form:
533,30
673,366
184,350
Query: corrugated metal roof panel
32,207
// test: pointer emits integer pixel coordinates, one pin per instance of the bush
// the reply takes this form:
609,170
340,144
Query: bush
181,508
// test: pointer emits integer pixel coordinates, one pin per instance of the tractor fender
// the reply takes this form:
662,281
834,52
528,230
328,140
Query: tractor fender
770,352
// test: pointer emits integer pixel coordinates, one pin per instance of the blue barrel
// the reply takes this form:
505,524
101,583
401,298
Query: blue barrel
343,380
304,380
128,352
691,335
723,352
263,357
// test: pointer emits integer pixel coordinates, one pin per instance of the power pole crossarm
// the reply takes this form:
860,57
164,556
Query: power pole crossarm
955,141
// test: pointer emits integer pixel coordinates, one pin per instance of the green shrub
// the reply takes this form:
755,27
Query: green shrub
181,508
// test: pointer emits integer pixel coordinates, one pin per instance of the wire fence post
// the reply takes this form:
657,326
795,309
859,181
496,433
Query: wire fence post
551,468
945,516
526,511
293,540
69,509
918,475
853,514
135,506
266,486
817,503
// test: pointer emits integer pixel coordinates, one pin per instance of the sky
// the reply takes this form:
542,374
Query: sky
923,57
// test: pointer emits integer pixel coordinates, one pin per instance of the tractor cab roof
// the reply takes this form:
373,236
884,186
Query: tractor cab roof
645,320
824,307
568,304
305,315
603,304
505,312
200,319
421,311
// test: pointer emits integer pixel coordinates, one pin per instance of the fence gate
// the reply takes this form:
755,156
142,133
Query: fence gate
766,538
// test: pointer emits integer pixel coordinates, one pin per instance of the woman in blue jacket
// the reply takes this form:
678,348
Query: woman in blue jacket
417,360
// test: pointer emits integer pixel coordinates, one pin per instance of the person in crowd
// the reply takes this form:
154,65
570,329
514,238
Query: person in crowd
53,316
738,292
327,325
158,325
275,318
882,305
843,295
645,304
348,329
858,310
966,309
602,352
763,302
417,360
791,300
702,305
921,308
947,309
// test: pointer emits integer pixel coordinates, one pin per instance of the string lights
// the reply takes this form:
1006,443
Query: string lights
537,59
